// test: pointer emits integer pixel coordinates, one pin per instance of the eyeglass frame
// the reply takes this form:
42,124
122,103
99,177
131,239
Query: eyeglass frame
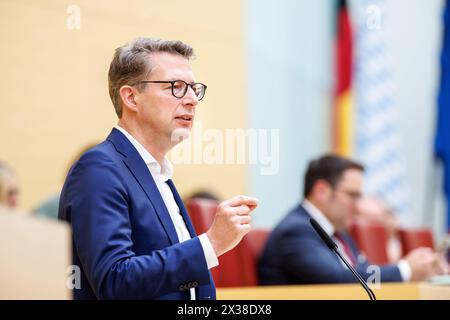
172,82
354,196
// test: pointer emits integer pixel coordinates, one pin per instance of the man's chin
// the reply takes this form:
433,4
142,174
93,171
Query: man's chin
180,134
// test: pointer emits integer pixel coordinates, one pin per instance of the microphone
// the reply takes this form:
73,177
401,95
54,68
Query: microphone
333,247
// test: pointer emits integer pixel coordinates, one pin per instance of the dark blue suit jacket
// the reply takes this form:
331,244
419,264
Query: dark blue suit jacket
124,240
295,254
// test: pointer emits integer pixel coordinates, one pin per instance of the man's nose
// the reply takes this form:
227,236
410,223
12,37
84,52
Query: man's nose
190,98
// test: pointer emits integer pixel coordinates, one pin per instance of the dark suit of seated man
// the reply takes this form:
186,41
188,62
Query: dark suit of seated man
295,254
132,236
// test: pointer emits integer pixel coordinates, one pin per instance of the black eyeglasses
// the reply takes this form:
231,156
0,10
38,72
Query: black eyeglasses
180,88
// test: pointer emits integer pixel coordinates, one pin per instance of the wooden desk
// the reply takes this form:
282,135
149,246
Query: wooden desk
388,291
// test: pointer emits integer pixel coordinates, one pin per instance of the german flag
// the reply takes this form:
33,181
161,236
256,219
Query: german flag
342,109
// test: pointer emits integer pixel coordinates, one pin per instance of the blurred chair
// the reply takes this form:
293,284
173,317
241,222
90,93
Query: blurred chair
234,269
256,240
371,239
202,212
238,267
252,247
415,238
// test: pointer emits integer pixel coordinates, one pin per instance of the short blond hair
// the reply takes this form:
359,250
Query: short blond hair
131,64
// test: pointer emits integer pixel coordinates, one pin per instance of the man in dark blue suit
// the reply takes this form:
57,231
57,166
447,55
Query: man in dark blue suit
295,254
132,236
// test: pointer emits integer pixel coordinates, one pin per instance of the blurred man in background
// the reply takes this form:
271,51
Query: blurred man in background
9,187
374,210
295,254
132,236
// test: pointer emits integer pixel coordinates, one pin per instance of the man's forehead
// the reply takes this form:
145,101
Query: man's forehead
350,176
170,65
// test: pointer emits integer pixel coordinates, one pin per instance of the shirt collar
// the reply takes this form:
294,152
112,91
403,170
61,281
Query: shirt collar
165,170
315,213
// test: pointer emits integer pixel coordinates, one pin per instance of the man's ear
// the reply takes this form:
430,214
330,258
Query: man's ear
128,97
321,191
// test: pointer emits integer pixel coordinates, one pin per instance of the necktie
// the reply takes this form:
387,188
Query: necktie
347,249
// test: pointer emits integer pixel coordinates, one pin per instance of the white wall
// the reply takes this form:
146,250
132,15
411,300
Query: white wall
289,80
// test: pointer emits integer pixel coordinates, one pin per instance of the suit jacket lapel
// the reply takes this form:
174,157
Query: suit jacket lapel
140,171
204,293
183,210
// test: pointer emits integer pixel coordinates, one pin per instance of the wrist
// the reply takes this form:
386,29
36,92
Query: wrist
214,243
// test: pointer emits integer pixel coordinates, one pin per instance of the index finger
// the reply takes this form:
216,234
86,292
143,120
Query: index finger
240,200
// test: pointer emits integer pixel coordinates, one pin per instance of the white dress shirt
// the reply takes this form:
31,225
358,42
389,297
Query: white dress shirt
161,174
314,212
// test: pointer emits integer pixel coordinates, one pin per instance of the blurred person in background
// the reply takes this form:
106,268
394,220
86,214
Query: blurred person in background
295,254
9,187
374,210
48,208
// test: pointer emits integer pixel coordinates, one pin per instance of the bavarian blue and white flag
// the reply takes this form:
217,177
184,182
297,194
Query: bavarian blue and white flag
378,142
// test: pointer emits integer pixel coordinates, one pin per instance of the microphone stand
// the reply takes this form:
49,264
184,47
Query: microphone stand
333,247
356,274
